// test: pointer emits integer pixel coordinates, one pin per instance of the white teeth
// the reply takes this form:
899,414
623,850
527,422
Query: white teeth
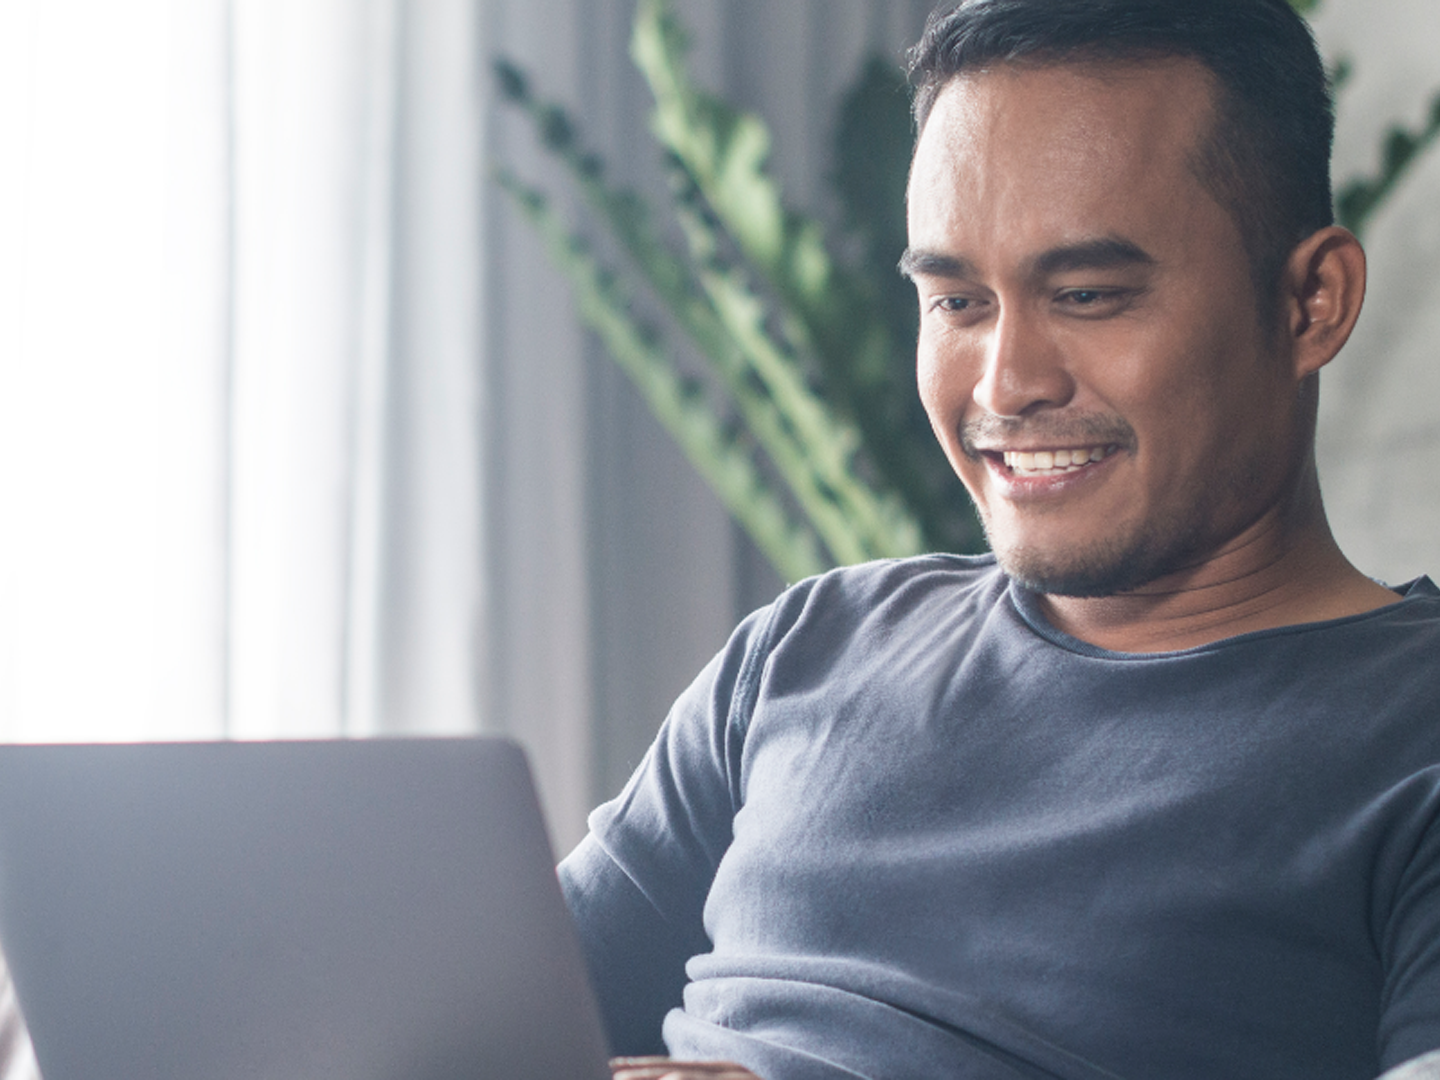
1048,462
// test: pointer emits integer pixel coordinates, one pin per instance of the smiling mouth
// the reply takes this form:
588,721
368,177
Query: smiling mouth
1054,462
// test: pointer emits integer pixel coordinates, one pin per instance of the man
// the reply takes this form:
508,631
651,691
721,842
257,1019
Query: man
1153,791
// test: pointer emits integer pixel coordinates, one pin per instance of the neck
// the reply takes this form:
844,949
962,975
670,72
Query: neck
1281,570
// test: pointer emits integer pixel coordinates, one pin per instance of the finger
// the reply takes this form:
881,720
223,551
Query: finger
663,1068
685,1071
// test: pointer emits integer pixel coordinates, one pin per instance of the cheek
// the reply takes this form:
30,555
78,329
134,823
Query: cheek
941,378
927,379
1210,413
937,395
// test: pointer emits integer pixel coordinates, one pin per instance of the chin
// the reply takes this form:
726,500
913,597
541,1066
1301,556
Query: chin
1085,579
1105,568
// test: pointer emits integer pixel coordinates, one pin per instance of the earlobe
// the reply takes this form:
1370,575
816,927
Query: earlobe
1324,291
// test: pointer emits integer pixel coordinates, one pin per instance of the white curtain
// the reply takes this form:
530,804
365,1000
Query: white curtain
239,391
300,434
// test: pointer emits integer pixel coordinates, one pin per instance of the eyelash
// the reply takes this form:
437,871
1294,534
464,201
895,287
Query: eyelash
1081,298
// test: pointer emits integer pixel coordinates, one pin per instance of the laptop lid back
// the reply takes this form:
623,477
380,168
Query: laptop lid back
363,910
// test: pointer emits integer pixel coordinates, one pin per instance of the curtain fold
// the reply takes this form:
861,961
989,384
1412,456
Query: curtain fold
240,393
302,435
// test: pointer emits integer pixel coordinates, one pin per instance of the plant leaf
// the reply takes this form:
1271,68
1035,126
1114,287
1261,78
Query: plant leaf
715,451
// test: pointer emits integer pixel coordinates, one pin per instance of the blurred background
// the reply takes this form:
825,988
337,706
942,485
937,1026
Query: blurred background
300,433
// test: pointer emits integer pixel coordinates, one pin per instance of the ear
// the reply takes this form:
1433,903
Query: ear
1323,288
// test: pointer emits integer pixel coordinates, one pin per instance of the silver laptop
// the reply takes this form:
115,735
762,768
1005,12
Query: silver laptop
362,910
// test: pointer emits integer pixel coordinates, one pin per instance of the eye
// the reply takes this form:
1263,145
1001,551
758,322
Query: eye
955,305
1095,303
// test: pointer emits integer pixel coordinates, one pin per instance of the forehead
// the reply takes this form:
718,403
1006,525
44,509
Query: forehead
1067,150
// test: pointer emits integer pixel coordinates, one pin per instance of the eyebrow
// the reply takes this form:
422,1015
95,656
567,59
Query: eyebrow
1103,253
934,264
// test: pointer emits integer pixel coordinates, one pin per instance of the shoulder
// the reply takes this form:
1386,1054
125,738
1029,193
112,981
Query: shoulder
1419,598
890,589
876,606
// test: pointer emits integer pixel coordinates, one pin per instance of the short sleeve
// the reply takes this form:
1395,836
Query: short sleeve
637,884
1410,1021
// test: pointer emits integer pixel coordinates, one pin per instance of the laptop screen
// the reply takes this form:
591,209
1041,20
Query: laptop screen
365,910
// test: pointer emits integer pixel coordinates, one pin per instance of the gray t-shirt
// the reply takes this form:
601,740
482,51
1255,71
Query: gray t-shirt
901,827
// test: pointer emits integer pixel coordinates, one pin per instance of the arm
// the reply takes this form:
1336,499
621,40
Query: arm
635,955
637,885
1410,948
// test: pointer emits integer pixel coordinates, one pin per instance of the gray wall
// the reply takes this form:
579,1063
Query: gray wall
1380,406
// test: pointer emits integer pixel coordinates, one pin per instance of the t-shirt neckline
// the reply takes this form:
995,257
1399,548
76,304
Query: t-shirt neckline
1027,606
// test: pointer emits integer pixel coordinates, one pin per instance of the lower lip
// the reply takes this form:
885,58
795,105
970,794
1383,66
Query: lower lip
1020,487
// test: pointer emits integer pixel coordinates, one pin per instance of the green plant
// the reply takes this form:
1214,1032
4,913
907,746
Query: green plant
805,419
1357,200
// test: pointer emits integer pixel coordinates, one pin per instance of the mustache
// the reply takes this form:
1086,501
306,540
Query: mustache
1092,429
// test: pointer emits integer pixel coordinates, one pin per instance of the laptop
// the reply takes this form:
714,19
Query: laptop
355,910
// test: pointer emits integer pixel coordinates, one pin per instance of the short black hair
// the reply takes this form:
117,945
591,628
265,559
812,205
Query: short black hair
1267,156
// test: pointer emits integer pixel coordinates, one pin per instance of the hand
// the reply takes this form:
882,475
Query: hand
664,1068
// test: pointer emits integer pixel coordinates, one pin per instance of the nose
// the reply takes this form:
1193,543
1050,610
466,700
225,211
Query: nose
1024,369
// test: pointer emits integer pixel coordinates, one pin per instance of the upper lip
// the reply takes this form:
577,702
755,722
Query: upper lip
1035,448
989,434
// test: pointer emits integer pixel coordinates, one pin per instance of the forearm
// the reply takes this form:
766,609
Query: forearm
636,957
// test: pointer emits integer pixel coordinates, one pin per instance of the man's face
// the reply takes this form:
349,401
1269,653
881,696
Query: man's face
1091,355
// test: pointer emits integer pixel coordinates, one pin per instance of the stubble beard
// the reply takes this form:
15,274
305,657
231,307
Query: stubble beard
1104,568
1118,564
